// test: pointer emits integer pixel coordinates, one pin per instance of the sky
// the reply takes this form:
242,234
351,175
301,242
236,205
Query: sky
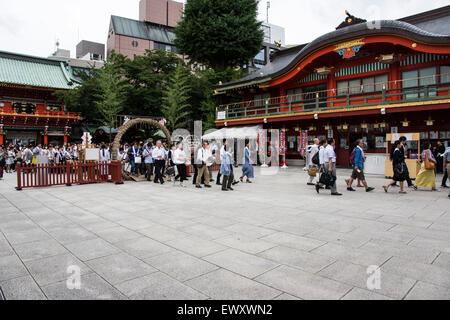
33,26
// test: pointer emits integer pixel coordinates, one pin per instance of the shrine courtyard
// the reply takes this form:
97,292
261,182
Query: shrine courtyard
273,239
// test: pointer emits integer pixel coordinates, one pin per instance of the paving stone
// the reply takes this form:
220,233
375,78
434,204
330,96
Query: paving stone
246,244
162,233
426,291
23,288
5,249
66,235
24,236
361,294
205,232
120,267
293,241
391,285
303,284
11,267
225,285
286,297
441,245
249,230
419,271
117,234
358,256
54,269
241,263
92,287
143,247
92,249
345,239
401,250
300,259
180,266
39,249
158,286
135,223
443,261
196,246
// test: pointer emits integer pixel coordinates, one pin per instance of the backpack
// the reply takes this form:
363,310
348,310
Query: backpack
316,159
352,157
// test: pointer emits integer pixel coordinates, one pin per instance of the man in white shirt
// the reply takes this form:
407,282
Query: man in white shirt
222,151
147,155
202,159
330,166
159,159
314,150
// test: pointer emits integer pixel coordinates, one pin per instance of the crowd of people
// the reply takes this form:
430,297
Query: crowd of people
322,161
160,162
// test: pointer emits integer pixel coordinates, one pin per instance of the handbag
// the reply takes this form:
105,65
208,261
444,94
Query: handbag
428,164
138,160
313,171
170,171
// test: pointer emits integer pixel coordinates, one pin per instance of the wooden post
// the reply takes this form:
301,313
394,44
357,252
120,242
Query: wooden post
19,178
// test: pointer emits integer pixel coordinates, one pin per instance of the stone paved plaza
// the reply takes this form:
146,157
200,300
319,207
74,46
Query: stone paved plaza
273,239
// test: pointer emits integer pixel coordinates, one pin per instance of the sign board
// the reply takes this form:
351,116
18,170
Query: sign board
221,115
92,154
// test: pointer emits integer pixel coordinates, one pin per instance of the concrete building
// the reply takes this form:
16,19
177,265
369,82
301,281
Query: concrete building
153,30
88,50
88,55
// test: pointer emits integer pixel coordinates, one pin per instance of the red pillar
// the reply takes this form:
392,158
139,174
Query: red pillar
1,134
66,135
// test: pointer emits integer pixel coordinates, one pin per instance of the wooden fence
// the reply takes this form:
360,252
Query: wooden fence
44,175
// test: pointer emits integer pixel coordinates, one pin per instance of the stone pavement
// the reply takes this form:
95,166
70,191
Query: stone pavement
273,239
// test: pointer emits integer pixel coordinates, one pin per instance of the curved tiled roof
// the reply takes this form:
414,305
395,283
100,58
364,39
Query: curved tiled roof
282,62
35,71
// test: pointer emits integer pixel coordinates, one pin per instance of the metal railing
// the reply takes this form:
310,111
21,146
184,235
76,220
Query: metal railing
324,100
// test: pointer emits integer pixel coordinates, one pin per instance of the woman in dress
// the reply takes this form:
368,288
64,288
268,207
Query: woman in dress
247,167
9,159
426,177
398,166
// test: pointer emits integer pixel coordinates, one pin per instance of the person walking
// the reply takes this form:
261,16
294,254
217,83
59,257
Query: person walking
2,161
179,159
426,177
148,161
10,155
311,165
221,152
446,164
398,167
202,162
247,167
159,155
330,166
403,150
226,170
358,168
440,150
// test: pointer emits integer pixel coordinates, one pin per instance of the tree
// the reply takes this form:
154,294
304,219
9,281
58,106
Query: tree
219,34
112,89
175,102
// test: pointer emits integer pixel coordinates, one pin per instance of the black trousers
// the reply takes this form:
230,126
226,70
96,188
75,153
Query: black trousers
444,179
182,172
159,167
218,177
148,171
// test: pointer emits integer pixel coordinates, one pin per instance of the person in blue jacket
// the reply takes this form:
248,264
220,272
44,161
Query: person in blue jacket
358,168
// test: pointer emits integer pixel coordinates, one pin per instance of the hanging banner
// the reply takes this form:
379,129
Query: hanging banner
299,141
261,140
282,142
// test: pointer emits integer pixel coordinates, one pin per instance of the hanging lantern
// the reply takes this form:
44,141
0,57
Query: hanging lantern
429,122
312,128
364,125
405,123
383,125
376,125
327,127
345,126
339,127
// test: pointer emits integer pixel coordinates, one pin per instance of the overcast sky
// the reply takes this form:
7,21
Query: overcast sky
32,26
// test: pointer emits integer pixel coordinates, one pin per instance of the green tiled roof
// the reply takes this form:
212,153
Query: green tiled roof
33,71
143,30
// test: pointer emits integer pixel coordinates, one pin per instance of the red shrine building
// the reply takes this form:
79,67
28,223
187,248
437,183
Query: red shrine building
30,113
361,81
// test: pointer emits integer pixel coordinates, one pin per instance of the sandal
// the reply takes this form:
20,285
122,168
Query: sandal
402,192
385,189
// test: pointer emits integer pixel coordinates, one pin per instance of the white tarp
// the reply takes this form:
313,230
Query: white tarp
233,133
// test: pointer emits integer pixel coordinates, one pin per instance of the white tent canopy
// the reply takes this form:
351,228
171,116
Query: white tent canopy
233,133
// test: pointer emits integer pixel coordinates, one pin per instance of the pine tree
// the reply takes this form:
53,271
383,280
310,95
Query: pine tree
175,106
219,34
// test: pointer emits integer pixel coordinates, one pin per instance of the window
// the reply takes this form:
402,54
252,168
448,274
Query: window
414,82
362,85
445,74
294,95
165,47
261,99
134,44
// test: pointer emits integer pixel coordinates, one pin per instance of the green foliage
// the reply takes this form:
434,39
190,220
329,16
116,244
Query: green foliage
175,102
219,34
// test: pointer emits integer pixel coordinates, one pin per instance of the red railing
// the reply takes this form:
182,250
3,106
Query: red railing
36,176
